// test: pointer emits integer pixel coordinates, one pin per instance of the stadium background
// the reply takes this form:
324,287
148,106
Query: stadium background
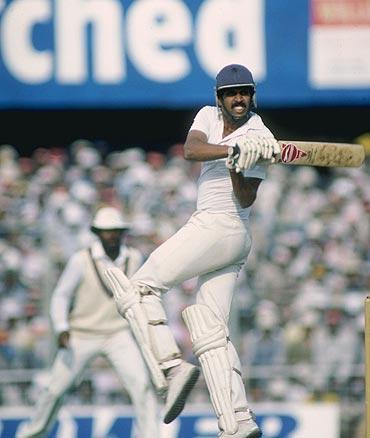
310,268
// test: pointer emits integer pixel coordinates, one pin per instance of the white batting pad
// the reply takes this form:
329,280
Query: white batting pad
129,306
209,338
161,338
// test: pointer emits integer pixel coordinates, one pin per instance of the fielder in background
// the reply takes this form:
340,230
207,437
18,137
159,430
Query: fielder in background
229,139
85,319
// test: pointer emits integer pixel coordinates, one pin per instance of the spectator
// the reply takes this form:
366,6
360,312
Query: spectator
334,351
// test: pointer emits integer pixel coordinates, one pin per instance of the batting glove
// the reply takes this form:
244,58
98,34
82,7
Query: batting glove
270,148
250,152
277,150
251,149
244,155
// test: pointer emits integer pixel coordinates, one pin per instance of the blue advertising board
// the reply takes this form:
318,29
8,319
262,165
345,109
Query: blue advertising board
277,420
166,53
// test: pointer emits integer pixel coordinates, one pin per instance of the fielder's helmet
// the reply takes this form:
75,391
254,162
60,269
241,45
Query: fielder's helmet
109,218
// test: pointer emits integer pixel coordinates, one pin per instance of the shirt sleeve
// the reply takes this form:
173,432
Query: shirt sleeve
64,291
201,121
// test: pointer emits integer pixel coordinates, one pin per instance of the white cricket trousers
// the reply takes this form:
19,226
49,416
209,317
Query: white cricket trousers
121,350
213,247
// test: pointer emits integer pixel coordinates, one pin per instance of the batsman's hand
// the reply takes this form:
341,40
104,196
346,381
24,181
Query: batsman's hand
250,149
270,148
244,155
250,153
63,339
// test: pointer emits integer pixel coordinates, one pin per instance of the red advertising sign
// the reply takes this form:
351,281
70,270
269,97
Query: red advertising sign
340,12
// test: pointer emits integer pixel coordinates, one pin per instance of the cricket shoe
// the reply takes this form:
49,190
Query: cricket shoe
181,380
247,429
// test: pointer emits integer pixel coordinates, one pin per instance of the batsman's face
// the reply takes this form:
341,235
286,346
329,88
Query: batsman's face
236,102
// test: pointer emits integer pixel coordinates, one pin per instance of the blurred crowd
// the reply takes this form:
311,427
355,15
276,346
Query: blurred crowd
298,313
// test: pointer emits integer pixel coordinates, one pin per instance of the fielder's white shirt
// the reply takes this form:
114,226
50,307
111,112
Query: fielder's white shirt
72,275
215,191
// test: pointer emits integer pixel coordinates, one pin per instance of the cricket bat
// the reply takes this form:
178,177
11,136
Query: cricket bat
321,154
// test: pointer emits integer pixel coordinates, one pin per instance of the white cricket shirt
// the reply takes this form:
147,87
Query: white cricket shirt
215,192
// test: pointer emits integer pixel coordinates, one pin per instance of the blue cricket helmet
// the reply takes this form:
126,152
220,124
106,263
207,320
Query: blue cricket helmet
234,75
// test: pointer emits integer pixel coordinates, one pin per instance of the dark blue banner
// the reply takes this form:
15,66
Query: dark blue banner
166,53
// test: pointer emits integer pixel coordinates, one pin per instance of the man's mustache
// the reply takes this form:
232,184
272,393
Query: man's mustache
239,104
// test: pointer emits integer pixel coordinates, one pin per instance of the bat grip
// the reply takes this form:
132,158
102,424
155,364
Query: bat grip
235,150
